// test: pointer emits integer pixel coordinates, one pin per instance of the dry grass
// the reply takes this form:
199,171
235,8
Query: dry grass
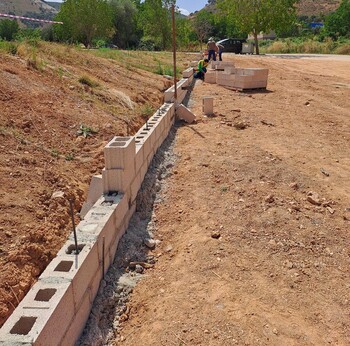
310,46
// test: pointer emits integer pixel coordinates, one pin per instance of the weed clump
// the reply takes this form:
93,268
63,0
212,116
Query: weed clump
88,81
86,131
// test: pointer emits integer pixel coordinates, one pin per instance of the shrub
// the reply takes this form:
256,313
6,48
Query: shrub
343,49
87,81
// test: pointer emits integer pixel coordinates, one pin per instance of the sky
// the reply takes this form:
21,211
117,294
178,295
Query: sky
186,6
191,5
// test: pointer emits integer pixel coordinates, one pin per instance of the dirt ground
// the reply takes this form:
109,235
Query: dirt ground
254,229
42,108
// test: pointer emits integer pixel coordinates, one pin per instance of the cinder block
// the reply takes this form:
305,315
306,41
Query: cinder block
116,179
139,158
80,269
188,72
230,69
120,153
223,65
210,77
78,323
208,105
169,94
122,230
46,306
135,186
214,64
185,114
143,137
94,193
181,96
144,169
190,79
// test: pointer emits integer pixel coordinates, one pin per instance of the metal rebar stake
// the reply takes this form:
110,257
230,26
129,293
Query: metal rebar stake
74,230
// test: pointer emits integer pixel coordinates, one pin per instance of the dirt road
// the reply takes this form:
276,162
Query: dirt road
254,229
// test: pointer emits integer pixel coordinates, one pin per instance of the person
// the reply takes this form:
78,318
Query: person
220,50
202,68
212,49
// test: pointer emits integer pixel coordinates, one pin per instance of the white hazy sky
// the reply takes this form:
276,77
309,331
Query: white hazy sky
186,6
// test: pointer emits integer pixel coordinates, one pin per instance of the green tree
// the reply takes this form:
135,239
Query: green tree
84,21
125,23
8,29
203,25
256,16
155,20
338,23
183,31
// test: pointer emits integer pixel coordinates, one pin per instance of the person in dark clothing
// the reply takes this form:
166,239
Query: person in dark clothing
220,50
212,49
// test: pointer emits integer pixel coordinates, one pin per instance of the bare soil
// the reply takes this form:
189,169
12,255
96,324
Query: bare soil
42,108
254,224
254,228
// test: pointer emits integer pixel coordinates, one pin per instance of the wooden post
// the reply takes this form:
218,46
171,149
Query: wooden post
174,49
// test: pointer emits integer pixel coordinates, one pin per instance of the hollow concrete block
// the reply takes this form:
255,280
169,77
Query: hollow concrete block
144,169
80,269
139,158
188,72
185,114
210,77
48,304
169,95
119,152
94,193
149,141
208,105
135,186
116,179
78,323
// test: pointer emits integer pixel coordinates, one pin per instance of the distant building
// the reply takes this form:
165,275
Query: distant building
263,36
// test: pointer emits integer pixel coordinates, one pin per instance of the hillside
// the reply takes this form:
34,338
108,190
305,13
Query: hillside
55,5
316,8
49,94
35,8
305,7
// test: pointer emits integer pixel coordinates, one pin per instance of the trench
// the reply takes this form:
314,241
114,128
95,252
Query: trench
110,305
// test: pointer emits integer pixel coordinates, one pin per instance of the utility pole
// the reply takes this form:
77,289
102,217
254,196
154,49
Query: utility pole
174,48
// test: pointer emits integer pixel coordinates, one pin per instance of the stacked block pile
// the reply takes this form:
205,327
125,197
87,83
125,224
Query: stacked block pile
243,78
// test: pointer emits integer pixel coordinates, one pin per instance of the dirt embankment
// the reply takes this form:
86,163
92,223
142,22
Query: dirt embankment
59,106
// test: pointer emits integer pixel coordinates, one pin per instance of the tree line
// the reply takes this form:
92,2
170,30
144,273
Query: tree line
132,24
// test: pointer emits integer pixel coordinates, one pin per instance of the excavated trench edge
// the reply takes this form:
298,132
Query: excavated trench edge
56,308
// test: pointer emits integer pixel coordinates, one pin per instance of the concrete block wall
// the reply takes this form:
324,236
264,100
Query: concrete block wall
188,72
210,77
221,65
169,95
56,308
243,78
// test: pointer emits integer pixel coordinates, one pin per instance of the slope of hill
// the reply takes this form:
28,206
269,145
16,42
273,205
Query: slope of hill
55,5
44,102
305,7
316,8
24,7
